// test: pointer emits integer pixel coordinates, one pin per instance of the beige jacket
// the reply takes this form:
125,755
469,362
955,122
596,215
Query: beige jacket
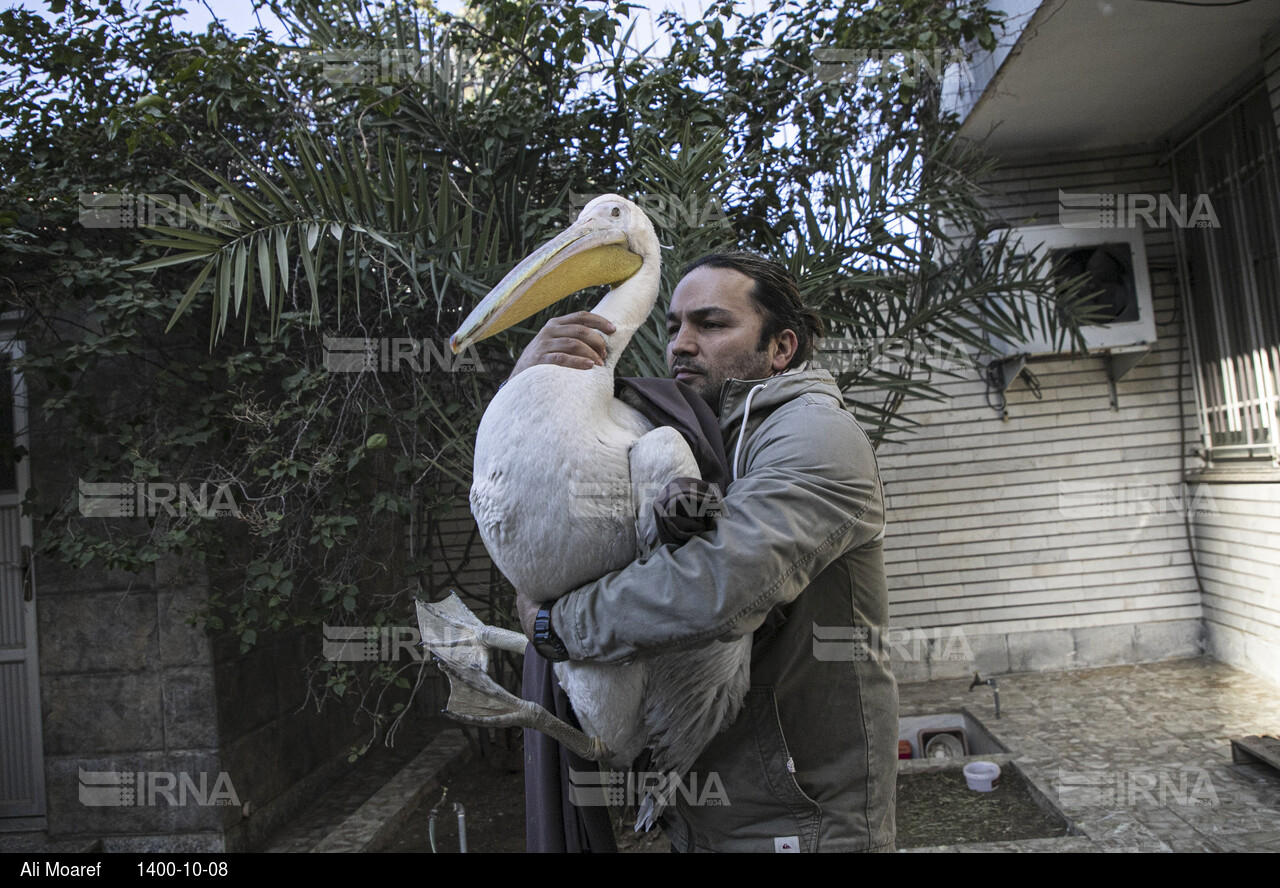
811,762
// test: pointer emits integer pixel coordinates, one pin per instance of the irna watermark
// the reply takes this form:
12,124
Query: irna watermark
396,354
596,788
851,354
1119,499
129,499
619,500
130,789
667,210
862,643
1129,788
371,65
883,65
370,644
1120,210
122,209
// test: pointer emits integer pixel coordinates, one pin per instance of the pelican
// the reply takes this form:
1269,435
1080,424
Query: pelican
564,481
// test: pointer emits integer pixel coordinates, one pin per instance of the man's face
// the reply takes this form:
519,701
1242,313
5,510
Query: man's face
713,333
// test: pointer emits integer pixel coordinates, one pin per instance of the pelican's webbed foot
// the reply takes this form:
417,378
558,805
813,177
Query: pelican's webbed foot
460,643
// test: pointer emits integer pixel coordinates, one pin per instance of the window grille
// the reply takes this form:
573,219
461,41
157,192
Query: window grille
1232,275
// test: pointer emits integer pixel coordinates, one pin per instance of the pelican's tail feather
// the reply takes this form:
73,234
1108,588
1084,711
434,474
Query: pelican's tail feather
648,815
693,694
652,807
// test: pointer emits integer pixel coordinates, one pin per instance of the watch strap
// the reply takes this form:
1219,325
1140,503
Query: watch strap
545,640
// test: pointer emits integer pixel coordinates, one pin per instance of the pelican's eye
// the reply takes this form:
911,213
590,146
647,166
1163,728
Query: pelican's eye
615,212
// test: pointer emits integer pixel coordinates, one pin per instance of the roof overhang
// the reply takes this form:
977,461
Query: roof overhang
1076,76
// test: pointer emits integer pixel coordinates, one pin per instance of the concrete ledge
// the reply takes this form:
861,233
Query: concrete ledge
927,766
377,820
269,819
954,652
1249,652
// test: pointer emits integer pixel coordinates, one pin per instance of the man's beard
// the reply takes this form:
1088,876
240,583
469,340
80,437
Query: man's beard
709,384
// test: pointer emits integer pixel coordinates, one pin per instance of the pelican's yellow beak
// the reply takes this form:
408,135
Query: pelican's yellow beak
587,254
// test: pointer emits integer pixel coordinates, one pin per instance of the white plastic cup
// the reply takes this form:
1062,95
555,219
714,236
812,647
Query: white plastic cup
982,776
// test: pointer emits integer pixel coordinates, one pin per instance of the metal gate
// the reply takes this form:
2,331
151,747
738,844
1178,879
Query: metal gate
22,796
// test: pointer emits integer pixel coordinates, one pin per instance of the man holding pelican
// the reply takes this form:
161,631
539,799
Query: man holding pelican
810,761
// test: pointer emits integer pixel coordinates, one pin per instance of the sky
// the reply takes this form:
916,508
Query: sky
239,17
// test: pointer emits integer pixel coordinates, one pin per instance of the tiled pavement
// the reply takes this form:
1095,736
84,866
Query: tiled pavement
1138,758
1144,752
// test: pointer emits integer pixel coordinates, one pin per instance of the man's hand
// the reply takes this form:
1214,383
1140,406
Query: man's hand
573,340
685,508
528,612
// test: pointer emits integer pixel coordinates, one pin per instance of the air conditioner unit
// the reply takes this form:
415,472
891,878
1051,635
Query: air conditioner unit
1116,260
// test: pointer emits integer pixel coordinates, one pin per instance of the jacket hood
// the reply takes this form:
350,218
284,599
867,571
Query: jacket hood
777,390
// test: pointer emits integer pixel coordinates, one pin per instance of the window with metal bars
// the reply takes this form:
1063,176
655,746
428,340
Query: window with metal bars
1232,280
8,461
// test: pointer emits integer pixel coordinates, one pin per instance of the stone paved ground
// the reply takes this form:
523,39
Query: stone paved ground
1137,757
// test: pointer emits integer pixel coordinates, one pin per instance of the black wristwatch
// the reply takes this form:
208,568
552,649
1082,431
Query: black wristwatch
545,640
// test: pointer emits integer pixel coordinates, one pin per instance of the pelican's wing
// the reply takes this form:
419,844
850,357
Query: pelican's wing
693,695
656,459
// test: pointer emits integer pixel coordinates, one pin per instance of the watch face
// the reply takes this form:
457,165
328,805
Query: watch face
548,651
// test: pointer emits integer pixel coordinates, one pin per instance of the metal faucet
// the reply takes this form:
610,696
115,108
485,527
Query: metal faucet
462,823
994,689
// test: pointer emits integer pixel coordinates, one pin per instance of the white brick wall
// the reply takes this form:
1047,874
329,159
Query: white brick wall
989,527
1238,551
1238,540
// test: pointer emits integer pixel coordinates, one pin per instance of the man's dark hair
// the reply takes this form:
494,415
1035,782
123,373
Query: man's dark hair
777,297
